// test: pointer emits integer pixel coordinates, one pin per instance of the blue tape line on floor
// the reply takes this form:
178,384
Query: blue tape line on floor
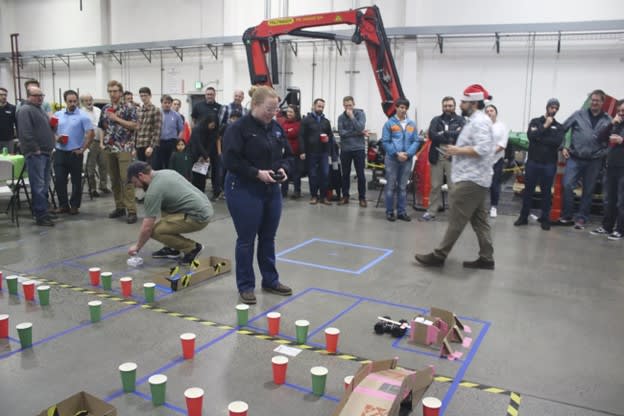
462,370
70,330
334,319
318,266
167,405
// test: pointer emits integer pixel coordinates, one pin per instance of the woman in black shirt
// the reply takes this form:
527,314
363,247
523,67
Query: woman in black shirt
257,158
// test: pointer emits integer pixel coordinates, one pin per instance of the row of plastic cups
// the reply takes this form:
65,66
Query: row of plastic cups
194,396
24,331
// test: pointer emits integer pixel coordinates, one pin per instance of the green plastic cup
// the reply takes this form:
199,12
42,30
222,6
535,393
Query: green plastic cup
12,284
158,387
24,331
128,376
44,295
106,279
95,310
242,314
319,378
302,330
149,290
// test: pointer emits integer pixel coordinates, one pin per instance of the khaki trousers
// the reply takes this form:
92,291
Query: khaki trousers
441,168
123,192
467,203
96,157
170,227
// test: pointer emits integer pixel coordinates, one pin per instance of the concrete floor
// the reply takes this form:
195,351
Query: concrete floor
546,324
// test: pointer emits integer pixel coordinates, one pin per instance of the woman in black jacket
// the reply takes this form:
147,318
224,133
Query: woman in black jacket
203,139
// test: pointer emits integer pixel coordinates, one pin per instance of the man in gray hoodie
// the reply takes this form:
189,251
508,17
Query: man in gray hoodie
585,155
37,142
353,133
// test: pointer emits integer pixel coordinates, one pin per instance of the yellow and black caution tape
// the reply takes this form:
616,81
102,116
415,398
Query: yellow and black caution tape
514,404
512,409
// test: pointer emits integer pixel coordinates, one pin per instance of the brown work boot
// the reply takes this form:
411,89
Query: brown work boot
313,200
280,289
247,298
73,211
363,203
343,201
479,263
325,202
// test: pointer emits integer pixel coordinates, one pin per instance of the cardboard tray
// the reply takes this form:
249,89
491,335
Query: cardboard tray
82,401
180,277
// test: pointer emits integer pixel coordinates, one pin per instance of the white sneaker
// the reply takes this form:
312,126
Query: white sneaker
493,212
615,236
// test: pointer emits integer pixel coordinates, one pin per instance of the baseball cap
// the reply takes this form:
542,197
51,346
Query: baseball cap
475,92
135,168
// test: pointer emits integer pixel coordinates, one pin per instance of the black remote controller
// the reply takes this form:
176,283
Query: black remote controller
277,176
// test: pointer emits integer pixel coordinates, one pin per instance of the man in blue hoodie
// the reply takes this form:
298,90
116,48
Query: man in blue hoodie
400,141
585,155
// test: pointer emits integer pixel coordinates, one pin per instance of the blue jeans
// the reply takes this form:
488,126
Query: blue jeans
397,174
256,209
39,177
495,188
576,169
544,175
318,174
295,176
358,158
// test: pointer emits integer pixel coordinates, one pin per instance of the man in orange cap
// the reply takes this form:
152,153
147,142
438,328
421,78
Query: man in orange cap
471,175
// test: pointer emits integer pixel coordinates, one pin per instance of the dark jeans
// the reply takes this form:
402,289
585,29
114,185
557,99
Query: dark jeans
495,188
199,181
318,174
295,177
256,209
163,153
358,157
397,175
544,175
216,173
615,203
39,177
576,169
68,163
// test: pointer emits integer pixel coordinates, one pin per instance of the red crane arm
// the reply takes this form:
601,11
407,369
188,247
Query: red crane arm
262,40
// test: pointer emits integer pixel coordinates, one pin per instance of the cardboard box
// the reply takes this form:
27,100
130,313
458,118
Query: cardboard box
379,388
427,330
454,324
180,277
78,403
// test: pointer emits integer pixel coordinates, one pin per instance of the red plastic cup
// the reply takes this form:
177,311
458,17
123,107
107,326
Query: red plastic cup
238,408
431,406
273,319
280,365
324,138
54,121
63,139
347,382
29,290
4,326
126,286
331,339
188,345
94,275
194,401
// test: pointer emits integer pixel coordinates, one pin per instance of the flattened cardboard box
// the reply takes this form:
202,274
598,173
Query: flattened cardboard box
82,401
184,276
378,388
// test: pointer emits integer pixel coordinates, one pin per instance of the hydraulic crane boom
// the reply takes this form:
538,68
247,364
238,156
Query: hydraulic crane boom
262,40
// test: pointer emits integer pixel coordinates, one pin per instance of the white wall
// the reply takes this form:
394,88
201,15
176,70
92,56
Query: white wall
519,88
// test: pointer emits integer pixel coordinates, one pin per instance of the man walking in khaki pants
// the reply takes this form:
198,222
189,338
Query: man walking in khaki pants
183,209
119,122
471,175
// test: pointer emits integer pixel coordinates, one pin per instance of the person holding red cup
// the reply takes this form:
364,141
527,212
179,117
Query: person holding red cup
74,135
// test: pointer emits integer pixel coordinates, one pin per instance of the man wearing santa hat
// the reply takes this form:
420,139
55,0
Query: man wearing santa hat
471,175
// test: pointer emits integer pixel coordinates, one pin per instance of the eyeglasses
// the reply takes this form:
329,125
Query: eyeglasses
37,95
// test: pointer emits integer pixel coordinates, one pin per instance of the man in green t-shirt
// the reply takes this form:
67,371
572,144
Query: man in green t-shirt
182,208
